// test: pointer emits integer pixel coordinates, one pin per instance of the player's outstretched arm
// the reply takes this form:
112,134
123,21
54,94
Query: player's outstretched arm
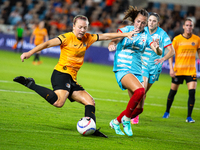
110,36
47,44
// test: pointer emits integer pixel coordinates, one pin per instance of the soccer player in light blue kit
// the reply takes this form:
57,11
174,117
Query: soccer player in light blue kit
128,65
151,62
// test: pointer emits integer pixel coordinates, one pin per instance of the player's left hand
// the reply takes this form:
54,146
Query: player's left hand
159,61
156,43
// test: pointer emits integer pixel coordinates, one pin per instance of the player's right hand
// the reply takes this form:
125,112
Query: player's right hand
25,56
111,47
172,73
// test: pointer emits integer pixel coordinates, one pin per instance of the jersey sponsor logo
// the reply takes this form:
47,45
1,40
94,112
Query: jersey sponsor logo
63,36
167,39
75,44
155,36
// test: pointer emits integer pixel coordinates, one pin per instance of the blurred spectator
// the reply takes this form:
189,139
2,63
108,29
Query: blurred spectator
28,16
104,14
5,9
19,7
15,17
108,5
88,8
107,21
96,23
29,5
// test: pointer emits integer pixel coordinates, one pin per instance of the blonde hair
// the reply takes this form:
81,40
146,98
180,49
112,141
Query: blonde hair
80,17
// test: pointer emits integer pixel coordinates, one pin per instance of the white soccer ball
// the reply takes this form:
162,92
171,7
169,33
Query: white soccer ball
86,126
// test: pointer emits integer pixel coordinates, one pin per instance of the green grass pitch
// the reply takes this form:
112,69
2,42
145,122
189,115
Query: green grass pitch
28,122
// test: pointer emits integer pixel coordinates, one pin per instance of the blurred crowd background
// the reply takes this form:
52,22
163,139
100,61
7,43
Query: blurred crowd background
104,15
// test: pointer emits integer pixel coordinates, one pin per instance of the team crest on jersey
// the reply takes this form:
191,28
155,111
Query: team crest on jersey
143,40
64,68
193,44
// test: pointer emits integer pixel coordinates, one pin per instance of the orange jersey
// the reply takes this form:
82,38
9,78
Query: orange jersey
39,35
185,54
73,52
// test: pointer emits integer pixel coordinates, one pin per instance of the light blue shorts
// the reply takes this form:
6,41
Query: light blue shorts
120,74
152,73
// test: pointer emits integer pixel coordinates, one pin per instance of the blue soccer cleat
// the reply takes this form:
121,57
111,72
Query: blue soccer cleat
127,127
190,120
116,128
166,115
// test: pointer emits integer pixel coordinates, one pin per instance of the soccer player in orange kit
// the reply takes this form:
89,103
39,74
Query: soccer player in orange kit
73,46
186,46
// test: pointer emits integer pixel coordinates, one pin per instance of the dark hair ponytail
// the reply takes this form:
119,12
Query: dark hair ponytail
132,13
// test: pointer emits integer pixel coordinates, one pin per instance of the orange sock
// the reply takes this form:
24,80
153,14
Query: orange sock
14,46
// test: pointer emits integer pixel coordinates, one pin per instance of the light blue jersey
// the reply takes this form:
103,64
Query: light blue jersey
128,54
149,68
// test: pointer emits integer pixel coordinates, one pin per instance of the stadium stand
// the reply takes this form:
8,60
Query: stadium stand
104,15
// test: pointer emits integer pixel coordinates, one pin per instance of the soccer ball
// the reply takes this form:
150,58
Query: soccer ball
86,126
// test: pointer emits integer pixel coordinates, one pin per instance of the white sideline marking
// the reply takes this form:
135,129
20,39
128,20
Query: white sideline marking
17,91
102,99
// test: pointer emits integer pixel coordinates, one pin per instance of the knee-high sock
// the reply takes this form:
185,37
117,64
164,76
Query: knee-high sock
120,116
191,101
133,102
90,112
49,95
136,112
170,99
37,57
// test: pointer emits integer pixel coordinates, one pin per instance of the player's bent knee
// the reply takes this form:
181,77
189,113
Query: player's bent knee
90,102
140,92
58,105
